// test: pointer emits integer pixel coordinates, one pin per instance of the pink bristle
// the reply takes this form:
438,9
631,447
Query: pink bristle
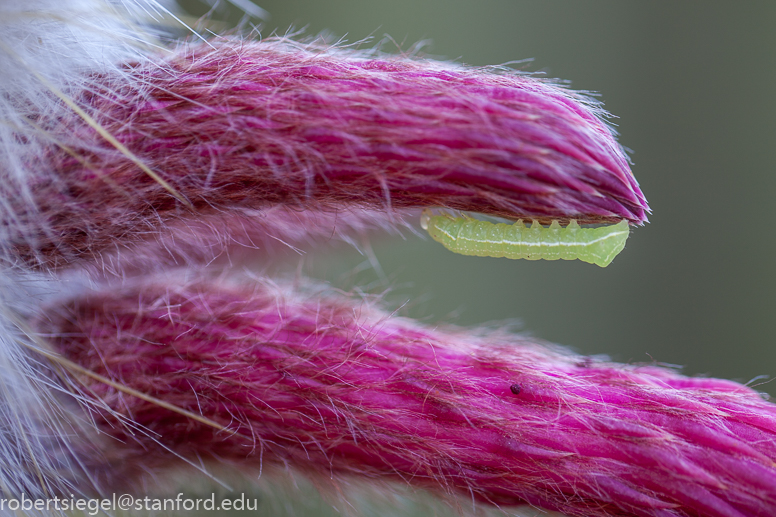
239,126
332,386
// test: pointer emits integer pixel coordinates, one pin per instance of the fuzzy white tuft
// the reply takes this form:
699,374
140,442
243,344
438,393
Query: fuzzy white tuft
49,49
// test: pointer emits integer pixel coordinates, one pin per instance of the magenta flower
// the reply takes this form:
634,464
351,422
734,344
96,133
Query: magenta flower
249,126
340,388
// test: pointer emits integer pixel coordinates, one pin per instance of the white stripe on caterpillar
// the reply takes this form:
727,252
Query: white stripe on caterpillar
516,241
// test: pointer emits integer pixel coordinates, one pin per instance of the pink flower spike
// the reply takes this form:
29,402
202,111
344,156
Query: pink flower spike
245,126
328,386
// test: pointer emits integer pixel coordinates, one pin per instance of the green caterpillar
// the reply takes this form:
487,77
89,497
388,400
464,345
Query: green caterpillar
516,241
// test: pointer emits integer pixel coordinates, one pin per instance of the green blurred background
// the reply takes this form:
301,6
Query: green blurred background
694,86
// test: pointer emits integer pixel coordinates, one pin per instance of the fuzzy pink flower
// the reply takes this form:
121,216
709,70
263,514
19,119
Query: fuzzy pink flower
332,387
244,126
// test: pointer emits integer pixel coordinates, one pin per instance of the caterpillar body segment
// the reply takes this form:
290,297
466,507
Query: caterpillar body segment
517,241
